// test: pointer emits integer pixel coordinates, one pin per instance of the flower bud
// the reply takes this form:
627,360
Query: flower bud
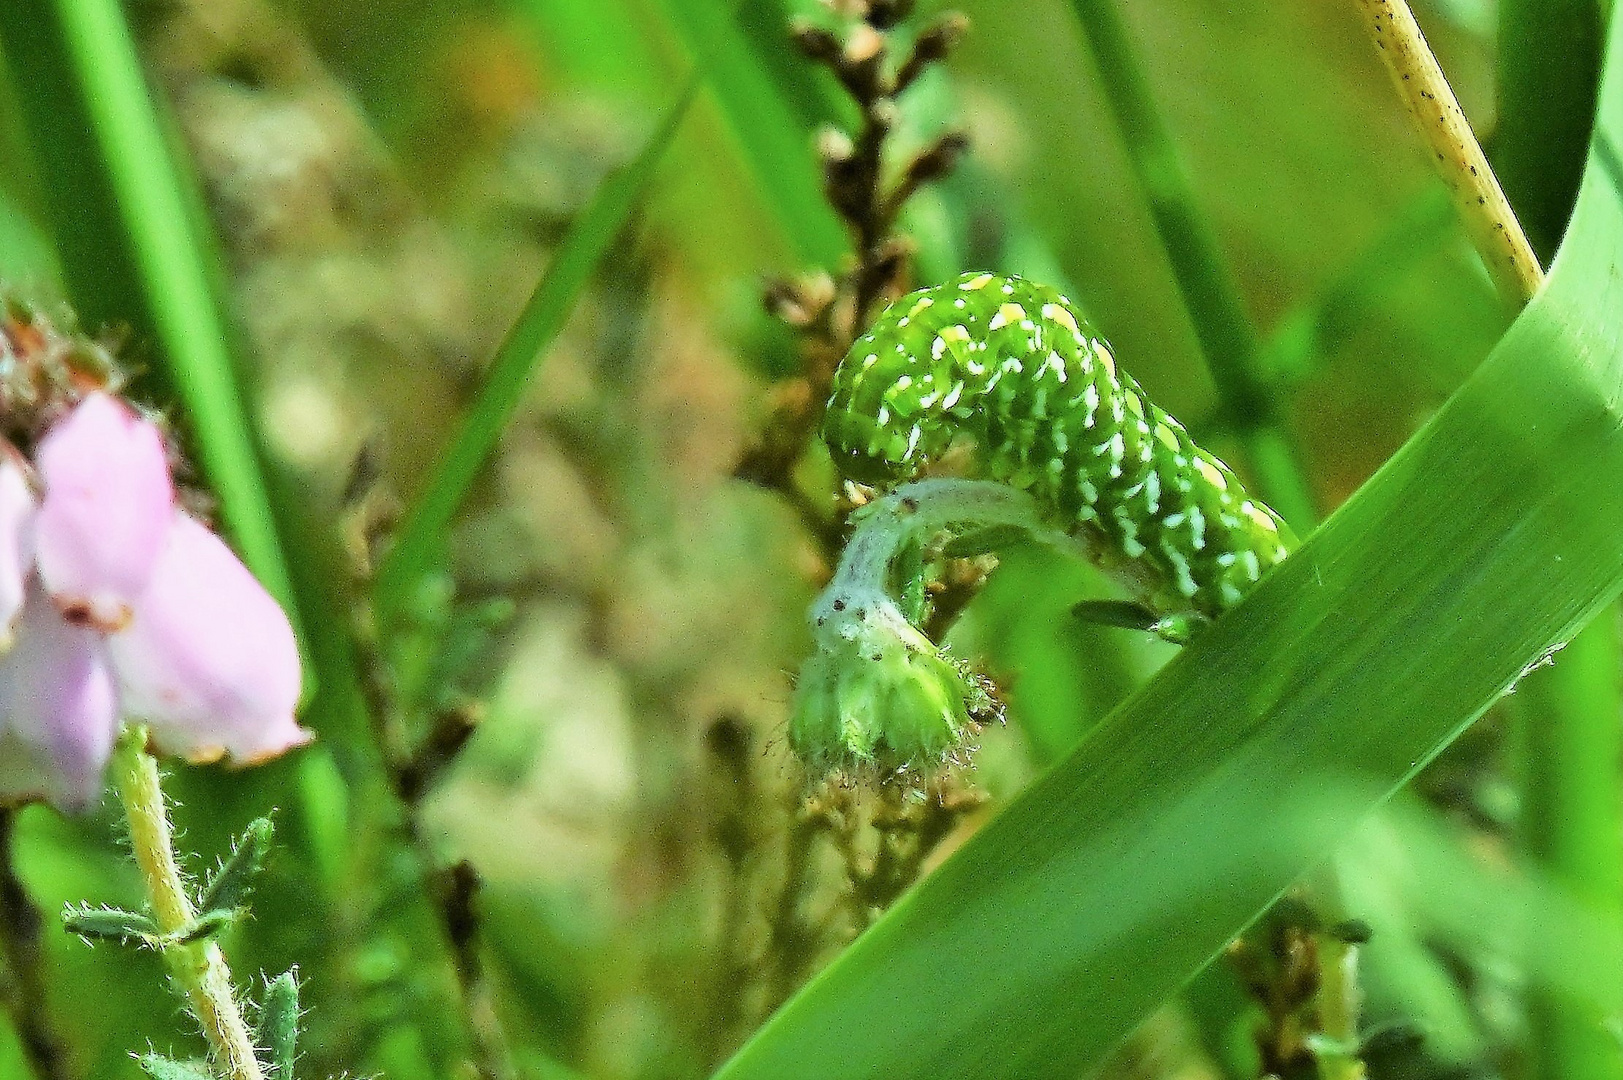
878,695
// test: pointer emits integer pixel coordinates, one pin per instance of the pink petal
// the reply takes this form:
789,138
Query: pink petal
59,710
17,510
108,502
208,659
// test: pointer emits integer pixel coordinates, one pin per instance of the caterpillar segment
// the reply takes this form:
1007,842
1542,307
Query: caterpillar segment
1010,371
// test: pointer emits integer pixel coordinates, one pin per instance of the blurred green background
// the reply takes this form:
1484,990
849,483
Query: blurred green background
387,181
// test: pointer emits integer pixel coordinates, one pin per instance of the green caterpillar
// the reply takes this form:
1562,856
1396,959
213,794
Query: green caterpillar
1009,367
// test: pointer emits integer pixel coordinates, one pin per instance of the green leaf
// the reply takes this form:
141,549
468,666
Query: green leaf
1486,542
418,546
228,885
278,1029
205,925
110,924
161,1068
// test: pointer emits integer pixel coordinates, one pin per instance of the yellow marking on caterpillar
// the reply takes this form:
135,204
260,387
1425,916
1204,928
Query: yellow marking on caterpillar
1258,515
1055,313
1008,313
1212,473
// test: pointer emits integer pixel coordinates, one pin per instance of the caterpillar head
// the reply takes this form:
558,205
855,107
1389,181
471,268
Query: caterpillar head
888,417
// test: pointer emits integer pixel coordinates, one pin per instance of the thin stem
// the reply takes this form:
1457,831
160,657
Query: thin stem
1571,742
1339,1005
1458,156
23,947
198,968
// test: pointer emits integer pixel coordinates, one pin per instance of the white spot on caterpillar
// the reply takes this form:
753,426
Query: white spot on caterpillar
928,400
1057,366
1226,559
1061,442
1089,492
903,321
1008,290
869,361
904,382
958,303
1129,532
1197,527
1180,566
1248,561
937,348
979,281
924,302
912,442
1231,595
1172,521
952,396
1090,399
884,416
1152,491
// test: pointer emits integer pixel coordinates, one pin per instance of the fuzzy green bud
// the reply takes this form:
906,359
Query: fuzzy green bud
877,695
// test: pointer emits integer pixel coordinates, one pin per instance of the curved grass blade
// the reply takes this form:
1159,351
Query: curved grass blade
1483,544
520,355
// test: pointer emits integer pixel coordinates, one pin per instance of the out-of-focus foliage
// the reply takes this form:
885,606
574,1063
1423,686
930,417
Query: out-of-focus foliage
387,181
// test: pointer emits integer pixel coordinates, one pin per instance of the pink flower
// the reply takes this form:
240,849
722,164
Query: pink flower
115,603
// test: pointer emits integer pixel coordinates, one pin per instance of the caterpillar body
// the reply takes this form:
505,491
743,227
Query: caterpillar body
1011,369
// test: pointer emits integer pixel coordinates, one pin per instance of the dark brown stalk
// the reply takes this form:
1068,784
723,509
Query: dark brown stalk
831,313
22,945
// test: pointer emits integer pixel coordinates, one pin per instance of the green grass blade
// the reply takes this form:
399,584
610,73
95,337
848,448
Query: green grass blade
588,241
1549,65
774,139
1486,541
158,224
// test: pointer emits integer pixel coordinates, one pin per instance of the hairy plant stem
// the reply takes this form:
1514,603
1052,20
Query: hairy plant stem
1457,154
198,967
23,949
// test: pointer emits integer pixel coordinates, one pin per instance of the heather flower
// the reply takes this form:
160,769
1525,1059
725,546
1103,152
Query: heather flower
116,603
